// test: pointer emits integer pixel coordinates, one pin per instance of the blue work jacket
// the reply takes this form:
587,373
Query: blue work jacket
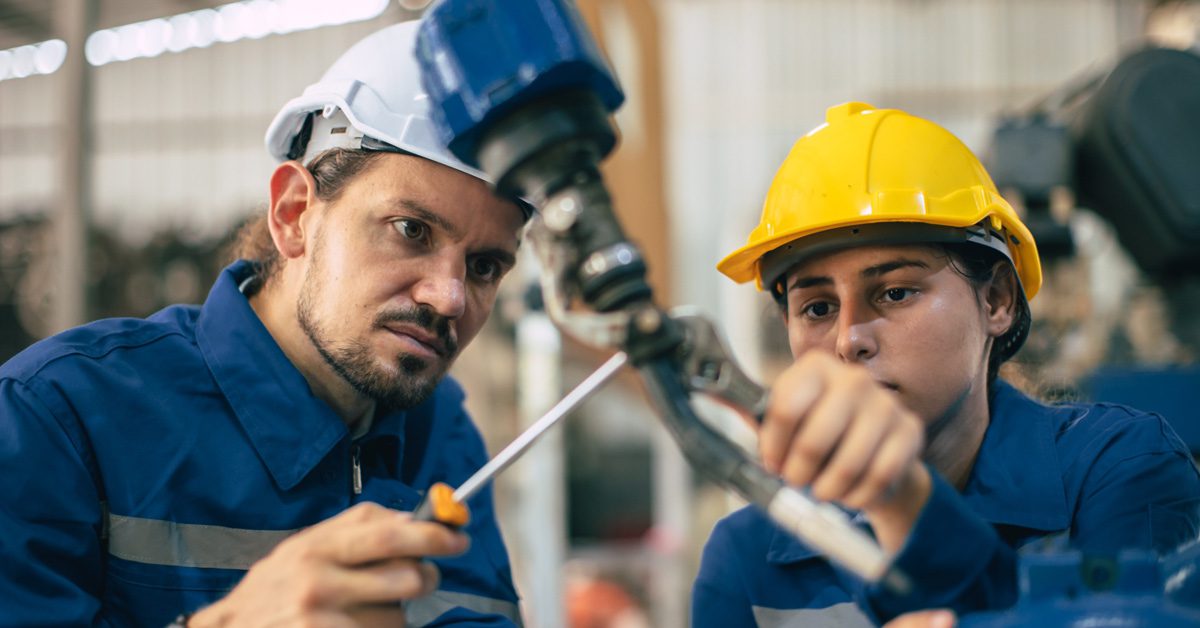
1102,476
145,464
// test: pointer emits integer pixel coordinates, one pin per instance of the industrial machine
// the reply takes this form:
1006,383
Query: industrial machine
1125,142
520,90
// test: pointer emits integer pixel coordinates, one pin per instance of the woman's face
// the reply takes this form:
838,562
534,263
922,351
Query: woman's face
904,313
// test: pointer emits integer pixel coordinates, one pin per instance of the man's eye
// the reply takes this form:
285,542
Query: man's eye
412,229
485,268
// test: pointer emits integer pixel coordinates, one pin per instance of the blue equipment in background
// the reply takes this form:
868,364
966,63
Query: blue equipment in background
1135,590
1173,392
520,90
502,60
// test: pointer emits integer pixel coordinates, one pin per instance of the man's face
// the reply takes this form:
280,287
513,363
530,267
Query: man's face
903,312
402,272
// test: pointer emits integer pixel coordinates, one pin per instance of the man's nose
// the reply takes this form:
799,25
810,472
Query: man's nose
444,290
856,341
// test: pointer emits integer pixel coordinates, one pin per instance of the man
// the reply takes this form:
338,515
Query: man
247,462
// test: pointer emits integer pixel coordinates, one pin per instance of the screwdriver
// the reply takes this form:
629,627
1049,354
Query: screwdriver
448,506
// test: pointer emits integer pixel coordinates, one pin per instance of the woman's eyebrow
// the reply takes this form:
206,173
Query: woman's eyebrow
887,267
808,282
871,271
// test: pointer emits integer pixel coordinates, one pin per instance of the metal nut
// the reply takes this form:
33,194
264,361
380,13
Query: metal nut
648,321
561,215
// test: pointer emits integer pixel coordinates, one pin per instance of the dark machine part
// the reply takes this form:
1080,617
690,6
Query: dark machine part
519,89
1137,152
704,448
1133,151
1126,142
1032,156
551,149
535,118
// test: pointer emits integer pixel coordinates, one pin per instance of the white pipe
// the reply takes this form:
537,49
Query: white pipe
538,507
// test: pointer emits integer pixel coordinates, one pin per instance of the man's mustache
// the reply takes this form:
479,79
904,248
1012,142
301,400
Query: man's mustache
425,318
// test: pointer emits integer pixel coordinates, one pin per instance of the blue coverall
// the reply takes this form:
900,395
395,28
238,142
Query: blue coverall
1104,476
145,464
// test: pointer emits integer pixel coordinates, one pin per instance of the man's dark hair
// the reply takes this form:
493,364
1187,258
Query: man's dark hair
332,170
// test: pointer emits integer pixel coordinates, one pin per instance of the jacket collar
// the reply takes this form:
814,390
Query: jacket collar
1016,479
291,429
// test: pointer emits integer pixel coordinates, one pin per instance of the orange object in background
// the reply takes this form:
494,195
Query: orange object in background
602,603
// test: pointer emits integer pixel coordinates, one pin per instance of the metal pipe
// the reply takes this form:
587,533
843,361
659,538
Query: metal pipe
538,484
527,438
74,20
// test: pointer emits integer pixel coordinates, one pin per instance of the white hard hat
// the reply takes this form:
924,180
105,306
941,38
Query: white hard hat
370,98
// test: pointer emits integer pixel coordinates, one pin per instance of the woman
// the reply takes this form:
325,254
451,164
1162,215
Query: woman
903,278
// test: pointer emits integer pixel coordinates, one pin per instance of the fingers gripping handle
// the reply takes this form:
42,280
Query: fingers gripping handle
440,506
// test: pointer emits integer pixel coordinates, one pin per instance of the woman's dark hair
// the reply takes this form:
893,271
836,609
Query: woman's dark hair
332,170
978,265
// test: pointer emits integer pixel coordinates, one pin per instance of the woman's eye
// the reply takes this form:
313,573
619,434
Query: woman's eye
820,309
895,295
411,229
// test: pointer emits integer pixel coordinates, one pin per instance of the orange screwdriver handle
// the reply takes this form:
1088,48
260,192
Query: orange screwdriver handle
440,506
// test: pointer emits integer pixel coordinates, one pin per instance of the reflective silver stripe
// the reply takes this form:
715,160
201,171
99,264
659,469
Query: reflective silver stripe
189,544
195,545
423,611
844,615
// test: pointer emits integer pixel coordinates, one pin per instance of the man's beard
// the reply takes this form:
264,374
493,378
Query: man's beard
414,379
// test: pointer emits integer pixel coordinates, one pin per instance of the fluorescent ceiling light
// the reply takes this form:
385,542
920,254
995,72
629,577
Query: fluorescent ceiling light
249,19
33,59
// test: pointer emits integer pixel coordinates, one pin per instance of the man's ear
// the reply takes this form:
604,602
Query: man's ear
293,191
1000,299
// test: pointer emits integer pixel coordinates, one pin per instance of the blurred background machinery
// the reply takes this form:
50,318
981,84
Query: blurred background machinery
131,147
1105,170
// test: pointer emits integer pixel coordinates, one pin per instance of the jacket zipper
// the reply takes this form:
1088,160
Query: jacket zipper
356,462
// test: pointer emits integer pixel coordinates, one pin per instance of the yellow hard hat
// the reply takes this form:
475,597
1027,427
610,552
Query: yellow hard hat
873,175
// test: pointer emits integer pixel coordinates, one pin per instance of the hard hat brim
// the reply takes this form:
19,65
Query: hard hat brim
777,262
745,263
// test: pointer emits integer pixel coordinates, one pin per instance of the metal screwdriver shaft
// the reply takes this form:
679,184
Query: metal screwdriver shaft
514,449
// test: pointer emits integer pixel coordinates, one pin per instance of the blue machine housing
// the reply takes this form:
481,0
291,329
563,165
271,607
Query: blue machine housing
481,59
1133,590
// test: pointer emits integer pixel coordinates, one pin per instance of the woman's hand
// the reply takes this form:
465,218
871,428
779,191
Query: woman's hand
833,428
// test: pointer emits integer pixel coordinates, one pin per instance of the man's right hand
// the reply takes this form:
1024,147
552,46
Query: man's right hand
351,570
